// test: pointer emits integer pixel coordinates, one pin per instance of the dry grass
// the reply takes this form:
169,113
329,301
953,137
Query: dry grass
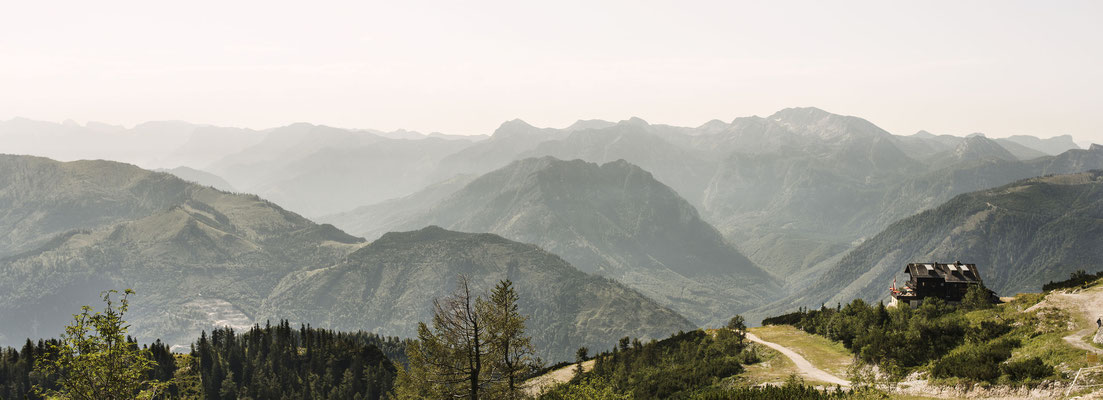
774,367
822,353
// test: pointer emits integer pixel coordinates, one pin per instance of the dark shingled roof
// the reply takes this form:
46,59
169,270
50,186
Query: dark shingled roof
956,272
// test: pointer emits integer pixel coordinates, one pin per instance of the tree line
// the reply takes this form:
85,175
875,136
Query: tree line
1079,278
281,362
94,359
672,367
476,348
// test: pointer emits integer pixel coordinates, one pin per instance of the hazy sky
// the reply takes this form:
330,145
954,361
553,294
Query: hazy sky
997,67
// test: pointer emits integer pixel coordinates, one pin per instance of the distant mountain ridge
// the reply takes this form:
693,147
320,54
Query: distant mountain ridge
335,179
199,258
279,163
614,219
187,249
1052,146
975,148
41,198
793,191
201,177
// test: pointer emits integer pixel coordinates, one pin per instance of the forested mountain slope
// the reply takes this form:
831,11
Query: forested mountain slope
40,198
388,287
197,257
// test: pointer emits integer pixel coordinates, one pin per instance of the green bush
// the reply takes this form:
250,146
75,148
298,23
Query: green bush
985,331
586,388
978,362
1026,369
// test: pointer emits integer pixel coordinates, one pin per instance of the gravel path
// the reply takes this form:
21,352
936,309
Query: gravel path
1086,303
806,368
538,384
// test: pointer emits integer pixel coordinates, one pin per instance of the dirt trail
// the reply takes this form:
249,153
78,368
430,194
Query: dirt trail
536,385
1082,305
806,368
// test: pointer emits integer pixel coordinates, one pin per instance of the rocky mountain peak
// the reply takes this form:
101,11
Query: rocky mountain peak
587,124
978,147
514,127
634,121
817,123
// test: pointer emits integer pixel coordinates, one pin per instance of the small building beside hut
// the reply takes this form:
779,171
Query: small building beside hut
948,282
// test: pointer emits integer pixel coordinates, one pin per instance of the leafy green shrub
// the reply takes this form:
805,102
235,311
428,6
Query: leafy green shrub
985,331
1031,368
586,388
978,362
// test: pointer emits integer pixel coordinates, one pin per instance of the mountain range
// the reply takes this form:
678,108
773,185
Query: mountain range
200,258
41,198
196,255
613,219
793,191
712,220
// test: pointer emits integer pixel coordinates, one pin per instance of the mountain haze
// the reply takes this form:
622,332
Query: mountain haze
685,170
790,193
613,219
41,198
201,258
201,177
512,139
338,179
1052,146
196,255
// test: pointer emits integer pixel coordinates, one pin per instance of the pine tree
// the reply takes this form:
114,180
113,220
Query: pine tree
738,325
580,356
512,350
347,389
228,390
